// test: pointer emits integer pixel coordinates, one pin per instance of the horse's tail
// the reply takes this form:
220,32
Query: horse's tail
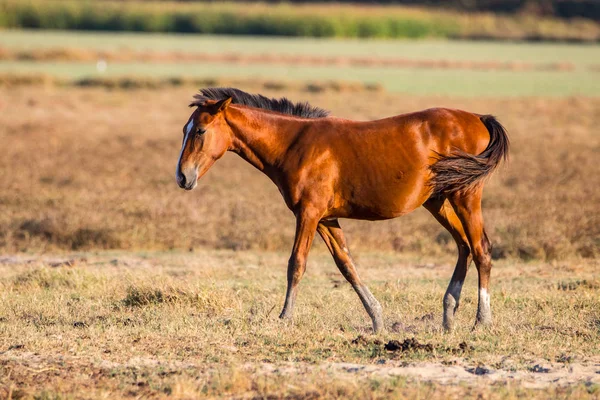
460,171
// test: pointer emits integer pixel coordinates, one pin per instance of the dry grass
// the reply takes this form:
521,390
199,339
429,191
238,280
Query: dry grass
94,169
205,324
90,169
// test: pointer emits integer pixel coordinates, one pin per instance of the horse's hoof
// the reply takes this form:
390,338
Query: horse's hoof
483,324
378,327
448,328
285,316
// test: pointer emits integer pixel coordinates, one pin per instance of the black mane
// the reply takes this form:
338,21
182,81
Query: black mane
282,105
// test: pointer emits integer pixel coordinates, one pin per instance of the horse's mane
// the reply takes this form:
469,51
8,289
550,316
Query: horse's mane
282,105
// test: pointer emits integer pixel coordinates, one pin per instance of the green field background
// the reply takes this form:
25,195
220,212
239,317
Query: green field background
582,54
292,20
583,80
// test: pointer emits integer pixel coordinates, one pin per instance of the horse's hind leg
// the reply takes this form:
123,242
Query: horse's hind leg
468,208
445,215
332,235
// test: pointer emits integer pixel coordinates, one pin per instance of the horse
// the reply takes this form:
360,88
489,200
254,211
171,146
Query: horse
327,168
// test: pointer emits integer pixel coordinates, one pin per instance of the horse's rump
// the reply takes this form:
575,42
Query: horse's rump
461,171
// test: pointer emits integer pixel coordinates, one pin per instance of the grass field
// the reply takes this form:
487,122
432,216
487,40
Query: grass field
582,80
115,152
581,54
409,81
115,283
178,325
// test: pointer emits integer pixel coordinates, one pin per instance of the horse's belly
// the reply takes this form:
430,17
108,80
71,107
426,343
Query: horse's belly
384,202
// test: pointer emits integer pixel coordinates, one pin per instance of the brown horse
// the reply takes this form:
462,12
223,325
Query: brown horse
328,168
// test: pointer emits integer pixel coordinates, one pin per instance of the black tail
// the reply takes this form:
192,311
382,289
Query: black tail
460,171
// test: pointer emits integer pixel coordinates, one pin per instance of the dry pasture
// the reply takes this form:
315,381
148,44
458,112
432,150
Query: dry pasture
116,283
179,325
93,169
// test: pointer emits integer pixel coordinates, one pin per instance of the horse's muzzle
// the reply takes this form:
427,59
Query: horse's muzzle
187,179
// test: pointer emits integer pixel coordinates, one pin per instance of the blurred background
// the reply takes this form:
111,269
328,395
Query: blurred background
93,96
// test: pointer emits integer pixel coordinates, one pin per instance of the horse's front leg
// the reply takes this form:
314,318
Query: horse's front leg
306,226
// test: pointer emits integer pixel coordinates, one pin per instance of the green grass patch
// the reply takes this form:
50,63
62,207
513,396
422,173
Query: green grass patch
410,81
223,19
349,21
582,55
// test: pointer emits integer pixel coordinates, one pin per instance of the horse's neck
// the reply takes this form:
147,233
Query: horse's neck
262,138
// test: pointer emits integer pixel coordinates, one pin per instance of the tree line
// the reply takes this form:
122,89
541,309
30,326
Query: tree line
559,8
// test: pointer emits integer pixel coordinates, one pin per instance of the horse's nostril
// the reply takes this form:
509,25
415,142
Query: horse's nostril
181,180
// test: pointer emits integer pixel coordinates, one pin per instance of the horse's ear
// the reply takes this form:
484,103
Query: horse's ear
221,105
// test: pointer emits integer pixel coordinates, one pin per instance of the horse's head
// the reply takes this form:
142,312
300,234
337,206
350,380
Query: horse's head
206,137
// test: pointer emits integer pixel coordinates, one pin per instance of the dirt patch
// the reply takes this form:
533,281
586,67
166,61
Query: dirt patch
361,340
462,348
555,374
411,344
135,374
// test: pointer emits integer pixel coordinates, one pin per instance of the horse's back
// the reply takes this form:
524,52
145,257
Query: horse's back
382,166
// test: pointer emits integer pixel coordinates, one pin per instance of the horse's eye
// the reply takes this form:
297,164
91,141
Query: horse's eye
200,132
